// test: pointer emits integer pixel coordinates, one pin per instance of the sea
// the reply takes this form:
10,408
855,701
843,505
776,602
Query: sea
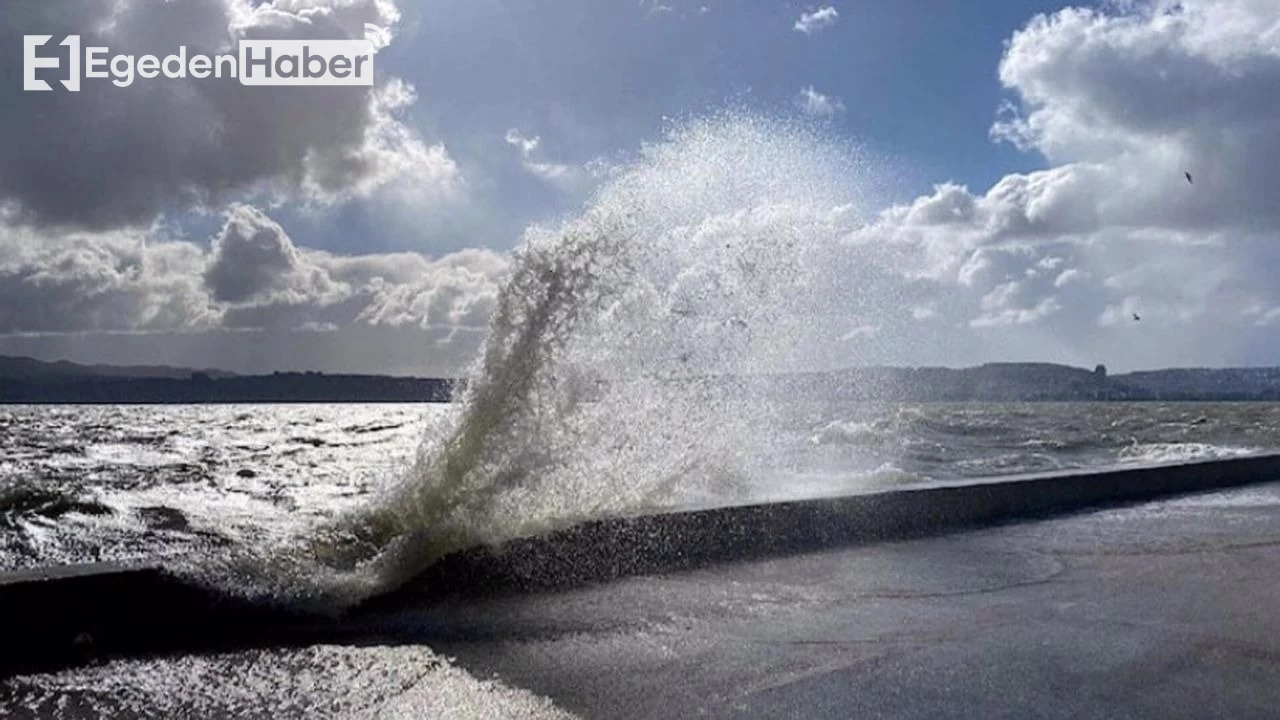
189,484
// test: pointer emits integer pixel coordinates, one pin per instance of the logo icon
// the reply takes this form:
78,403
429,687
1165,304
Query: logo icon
31,62
376,35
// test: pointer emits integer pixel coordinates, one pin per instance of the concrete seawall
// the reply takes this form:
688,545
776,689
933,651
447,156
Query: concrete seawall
609,549
68,616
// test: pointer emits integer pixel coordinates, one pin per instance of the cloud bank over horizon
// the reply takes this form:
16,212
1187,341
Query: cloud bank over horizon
251,277
98,200
1121,102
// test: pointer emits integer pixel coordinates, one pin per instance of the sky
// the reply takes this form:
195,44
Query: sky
1021,185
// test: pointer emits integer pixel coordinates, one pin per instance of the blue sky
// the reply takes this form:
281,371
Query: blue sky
977,181
596,79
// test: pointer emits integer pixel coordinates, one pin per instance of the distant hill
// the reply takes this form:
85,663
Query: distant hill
1210,383
24,380
995,382
1037,382
25,368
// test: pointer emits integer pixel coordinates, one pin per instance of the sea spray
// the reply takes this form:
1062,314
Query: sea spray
627,366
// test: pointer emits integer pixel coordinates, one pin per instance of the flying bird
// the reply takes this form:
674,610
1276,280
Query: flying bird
1137,317
1188,174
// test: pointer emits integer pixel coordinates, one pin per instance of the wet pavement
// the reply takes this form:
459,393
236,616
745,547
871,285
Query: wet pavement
1166,609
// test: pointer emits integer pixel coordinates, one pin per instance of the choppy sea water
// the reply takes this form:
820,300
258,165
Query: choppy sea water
124,483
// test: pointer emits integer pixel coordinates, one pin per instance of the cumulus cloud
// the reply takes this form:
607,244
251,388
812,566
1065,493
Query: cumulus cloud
1163,89
391,159
815,103
107,281
817,20
110,157
253,259
313,288
252,277
1120,101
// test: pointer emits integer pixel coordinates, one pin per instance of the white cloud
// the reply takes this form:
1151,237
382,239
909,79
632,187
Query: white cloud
1268,317
861,332
1066,277
924,312
1149,94
558,174
817,104
817,20
1120,101
105,281
252,277
390,158
1049,263
1009,304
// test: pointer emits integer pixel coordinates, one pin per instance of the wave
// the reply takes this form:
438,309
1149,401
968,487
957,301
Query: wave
623,369
21,501
1181,452
856,433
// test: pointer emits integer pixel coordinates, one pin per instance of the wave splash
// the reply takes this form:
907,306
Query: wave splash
624,369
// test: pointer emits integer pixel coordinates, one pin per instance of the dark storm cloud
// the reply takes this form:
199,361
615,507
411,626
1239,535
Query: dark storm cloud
108,157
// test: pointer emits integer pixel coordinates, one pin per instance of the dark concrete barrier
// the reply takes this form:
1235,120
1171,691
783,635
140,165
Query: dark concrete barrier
60,617
74,615
609,549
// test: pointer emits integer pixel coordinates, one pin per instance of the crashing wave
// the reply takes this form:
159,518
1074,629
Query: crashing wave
625,367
